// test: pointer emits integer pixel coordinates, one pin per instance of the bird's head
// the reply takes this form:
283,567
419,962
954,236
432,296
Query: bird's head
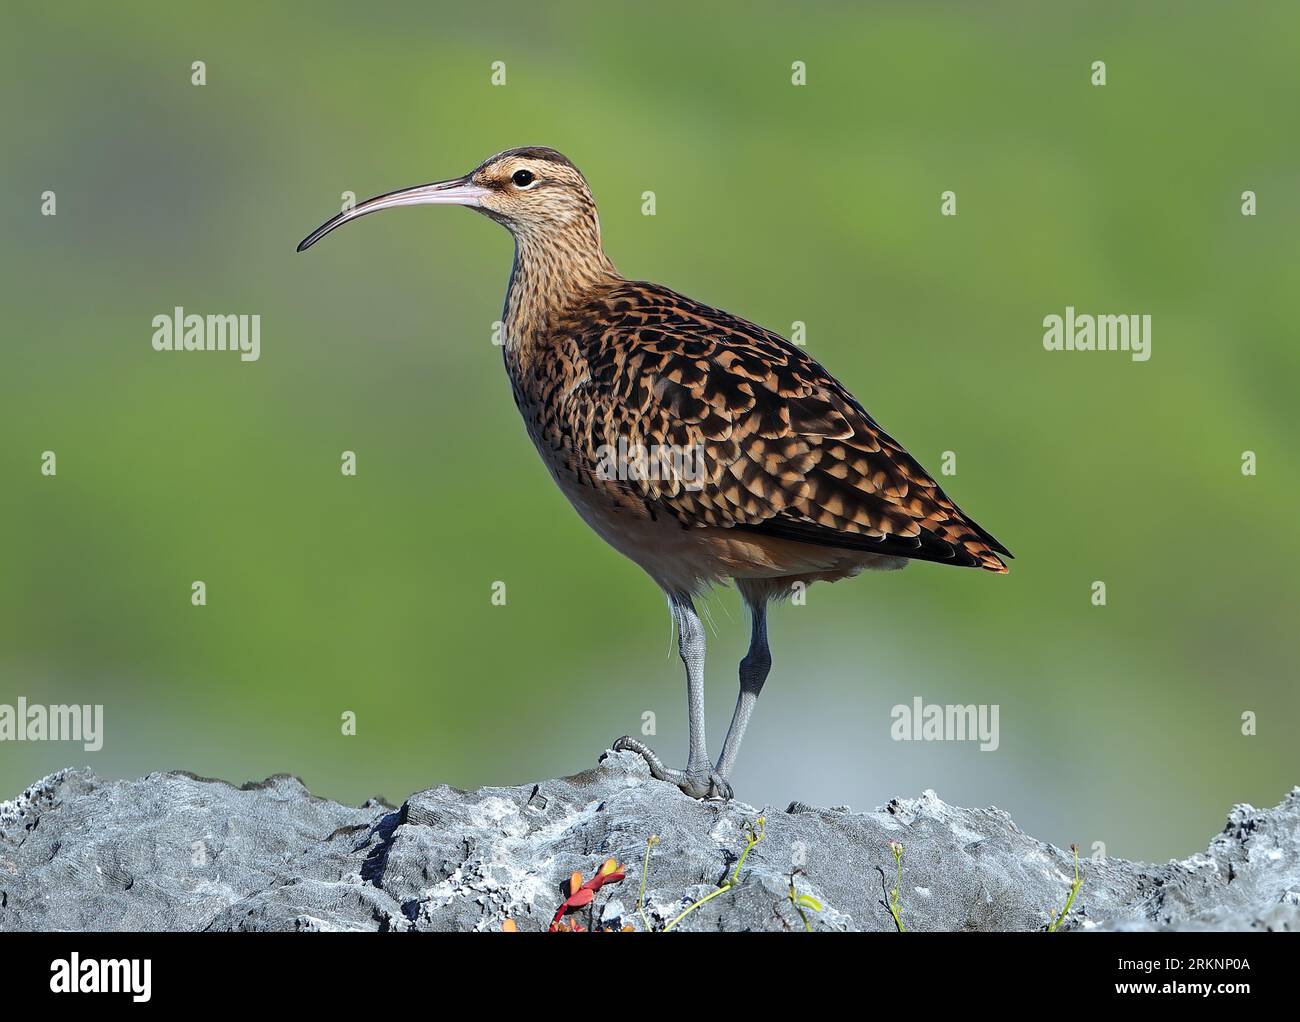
535,192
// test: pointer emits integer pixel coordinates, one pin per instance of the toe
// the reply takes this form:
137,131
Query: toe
706,784
698,784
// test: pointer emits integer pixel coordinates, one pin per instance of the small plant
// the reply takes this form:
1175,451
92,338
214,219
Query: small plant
1074,889
895,906
802,901
754,834
650,842
580,895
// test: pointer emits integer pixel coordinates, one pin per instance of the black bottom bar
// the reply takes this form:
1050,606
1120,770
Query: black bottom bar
334,971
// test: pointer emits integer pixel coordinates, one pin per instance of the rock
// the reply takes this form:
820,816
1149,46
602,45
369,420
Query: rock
178,852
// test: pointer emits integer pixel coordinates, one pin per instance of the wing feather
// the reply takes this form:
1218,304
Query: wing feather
783,448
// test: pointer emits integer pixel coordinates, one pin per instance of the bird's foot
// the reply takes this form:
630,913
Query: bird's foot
702,783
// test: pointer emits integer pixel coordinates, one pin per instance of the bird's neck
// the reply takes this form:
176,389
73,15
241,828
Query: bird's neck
553,274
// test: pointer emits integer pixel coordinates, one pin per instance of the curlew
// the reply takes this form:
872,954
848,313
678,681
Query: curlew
750,463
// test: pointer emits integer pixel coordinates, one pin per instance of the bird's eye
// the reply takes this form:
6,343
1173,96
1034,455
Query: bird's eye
522,178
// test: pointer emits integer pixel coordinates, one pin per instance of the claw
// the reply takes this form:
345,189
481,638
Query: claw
702,784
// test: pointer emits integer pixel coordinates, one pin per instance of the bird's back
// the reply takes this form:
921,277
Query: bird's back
782,450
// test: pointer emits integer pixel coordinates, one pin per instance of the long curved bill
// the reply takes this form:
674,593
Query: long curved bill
460,192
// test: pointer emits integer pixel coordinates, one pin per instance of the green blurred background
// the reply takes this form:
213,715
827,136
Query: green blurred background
372,594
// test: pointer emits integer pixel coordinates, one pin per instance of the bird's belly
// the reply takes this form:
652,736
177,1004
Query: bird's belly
660,546
688,560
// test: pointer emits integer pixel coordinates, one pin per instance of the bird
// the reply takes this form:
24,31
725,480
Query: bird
705,448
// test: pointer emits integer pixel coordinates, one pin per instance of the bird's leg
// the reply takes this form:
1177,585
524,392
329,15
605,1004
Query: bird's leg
753,672
699,779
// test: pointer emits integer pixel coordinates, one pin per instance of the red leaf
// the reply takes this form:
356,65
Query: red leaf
582,897
601,879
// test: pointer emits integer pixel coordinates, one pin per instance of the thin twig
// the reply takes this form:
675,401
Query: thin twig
1074,889
895,905
650,842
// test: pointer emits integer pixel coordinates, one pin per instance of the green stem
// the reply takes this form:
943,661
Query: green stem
755,836
694,905
1074,889
895,905
651,841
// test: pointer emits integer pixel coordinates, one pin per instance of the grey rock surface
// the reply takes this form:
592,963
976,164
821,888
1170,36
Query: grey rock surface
178,852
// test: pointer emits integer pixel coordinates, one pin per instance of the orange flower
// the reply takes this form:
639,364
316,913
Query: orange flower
582,894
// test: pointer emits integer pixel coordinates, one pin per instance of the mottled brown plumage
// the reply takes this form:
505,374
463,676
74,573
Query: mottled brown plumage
788,451
793,481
